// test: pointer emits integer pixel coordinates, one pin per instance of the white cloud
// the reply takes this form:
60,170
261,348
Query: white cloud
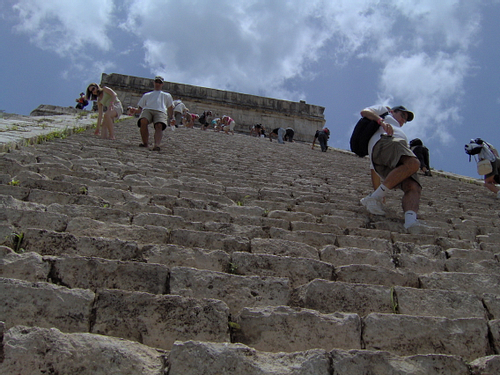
65,26
431,86
256,46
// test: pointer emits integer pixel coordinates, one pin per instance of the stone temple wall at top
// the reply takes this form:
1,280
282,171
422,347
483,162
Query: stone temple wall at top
245,109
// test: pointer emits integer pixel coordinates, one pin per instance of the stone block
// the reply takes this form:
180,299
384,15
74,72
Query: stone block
209,240
239,230
174,255
315,239
316,227
166,221
438,302
35,219
52,185
494,326
479,266
367,274
283,248
27,266
96,213
282,328
49,197
34,350
141,234
93,273
489,365
377,244
429,251
384,363
292,216
159,320
469,255
344,221
194,358
466,282
236,291
351,255
193,215
298,270
45,305
418,263
16,192
492,305
409,335
333,296
238,211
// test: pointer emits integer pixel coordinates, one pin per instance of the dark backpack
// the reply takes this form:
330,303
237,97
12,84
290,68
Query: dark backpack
362,133
203,119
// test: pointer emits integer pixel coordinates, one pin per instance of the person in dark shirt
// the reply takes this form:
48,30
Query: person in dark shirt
422,153
322,137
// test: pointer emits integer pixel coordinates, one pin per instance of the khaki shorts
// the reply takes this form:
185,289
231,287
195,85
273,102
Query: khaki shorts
387,153
154,117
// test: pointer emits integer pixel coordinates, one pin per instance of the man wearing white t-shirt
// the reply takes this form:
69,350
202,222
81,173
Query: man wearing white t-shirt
157,108
393,161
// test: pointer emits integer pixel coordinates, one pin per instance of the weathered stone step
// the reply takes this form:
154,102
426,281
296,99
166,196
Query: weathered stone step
206,240
283,248
236,291
375,275
159,320
194,357
51,351
154,320
298,270
382,362
312,238
284,329
26,219
483,266
45,305
405,335
47,242
49,197
175,255
363,299
467,282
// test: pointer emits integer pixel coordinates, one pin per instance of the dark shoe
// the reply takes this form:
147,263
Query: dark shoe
156,148
143,145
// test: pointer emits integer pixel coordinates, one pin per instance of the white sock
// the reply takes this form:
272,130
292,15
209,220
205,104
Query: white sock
380,192
410,218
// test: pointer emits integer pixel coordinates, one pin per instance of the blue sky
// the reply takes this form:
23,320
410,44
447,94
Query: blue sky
438,58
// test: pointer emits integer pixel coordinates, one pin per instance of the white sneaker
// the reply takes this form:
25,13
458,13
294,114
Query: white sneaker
415,224
373,205
418,227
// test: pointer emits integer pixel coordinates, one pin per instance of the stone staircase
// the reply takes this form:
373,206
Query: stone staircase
234,255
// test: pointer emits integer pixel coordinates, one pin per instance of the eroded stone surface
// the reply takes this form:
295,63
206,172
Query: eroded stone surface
32,350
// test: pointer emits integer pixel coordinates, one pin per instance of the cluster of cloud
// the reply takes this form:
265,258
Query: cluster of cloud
256,46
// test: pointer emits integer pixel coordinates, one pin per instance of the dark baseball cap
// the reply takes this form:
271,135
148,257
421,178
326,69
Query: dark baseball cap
403,109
